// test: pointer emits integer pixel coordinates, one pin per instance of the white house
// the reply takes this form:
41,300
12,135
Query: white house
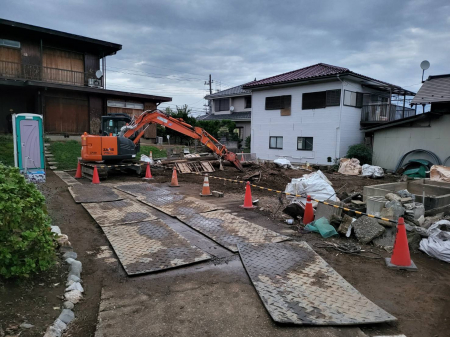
315,113
233,104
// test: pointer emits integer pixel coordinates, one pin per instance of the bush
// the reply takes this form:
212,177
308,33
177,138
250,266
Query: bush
360,152
248,142
26,242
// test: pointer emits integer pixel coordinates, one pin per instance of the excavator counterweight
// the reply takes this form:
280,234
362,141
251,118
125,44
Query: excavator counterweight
126,144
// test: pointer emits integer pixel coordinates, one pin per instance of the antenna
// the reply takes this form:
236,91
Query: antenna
424,65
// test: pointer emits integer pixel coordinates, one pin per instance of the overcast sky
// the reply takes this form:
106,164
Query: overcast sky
170,47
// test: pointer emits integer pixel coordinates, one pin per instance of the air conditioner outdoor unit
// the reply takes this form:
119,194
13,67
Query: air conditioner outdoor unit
160,140
94,82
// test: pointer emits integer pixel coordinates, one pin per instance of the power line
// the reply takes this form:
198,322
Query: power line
182,72
155,76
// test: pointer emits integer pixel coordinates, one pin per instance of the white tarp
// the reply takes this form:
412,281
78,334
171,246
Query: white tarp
372,171
438,242
147,159
314,184
349,167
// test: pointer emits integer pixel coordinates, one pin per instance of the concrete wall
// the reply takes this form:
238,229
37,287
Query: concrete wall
334,129
392,143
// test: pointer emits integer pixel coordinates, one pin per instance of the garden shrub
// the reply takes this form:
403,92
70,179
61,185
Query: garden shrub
248,141
360,152
26,241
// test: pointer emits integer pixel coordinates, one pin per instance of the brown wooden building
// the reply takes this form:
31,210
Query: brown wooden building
55,74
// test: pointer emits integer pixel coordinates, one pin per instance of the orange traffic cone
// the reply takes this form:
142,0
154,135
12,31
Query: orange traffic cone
206,191
242,157
248,202
401,259
95,178
148,173
174,182
78,174
309,212
151,155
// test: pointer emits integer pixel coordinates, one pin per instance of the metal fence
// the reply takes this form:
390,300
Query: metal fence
385,112
46,74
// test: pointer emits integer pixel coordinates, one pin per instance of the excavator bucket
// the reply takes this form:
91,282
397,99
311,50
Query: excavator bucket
233,159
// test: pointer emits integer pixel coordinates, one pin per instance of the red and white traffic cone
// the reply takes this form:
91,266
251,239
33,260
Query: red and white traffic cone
309,212
242,157
148,173
95,178
205,190
248,201
401,258
78,175
174,182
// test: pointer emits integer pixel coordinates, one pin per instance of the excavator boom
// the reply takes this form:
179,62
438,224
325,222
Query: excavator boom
177,124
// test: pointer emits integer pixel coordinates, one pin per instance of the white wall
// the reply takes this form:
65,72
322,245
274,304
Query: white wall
392,143
321,124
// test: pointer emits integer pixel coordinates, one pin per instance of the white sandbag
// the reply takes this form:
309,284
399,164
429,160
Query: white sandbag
437,244
349,167
147,159
282,162
314,184
440,173
372,171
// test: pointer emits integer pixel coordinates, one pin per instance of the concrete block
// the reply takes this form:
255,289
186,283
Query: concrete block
375,204
217,194
327,211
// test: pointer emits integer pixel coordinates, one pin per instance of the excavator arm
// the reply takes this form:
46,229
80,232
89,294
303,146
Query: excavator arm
177,124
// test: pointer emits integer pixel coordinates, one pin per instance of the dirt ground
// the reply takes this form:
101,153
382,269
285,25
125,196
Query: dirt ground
420,300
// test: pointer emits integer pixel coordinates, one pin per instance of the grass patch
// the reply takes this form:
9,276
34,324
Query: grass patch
67,153
157,153
7,150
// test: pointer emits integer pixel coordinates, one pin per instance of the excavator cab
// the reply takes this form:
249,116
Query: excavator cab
112,123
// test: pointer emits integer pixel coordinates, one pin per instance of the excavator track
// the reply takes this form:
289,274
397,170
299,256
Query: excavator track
87,169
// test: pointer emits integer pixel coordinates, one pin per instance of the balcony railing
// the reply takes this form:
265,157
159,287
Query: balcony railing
46,74
384,112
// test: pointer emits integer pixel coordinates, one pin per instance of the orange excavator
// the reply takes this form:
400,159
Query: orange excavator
119,148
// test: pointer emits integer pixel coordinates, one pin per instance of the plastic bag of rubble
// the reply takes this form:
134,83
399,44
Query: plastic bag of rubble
314,184
349,167
372,171
440,173
437,244
283,162
147,159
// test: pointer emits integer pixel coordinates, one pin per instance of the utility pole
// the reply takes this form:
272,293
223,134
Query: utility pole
210,82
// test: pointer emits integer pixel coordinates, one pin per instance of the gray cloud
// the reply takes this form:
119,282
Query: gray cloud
184,41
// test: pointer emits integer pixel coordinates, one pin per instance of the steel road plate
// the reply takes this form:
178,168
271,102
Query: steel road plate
297,286
142,189
186,206
67,178
93,193
151,246
119,212
155,200
229,230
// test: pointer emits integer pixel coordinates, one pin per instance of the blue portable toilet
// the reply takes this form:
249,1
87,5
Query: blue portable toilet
28,135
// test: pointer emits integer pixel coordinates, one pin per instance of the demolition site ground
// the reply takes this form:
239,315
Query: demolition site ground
216,297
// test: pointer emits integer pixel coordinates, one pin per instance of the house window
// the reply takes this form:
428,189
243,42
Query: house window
248,102
278,102
354,99
9,43
321,99
239,131
305,143
222,104
275,142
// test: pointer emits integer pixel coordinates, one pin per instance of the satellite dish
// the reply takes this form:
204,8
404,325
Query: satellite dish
425,65
231,108
99,73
